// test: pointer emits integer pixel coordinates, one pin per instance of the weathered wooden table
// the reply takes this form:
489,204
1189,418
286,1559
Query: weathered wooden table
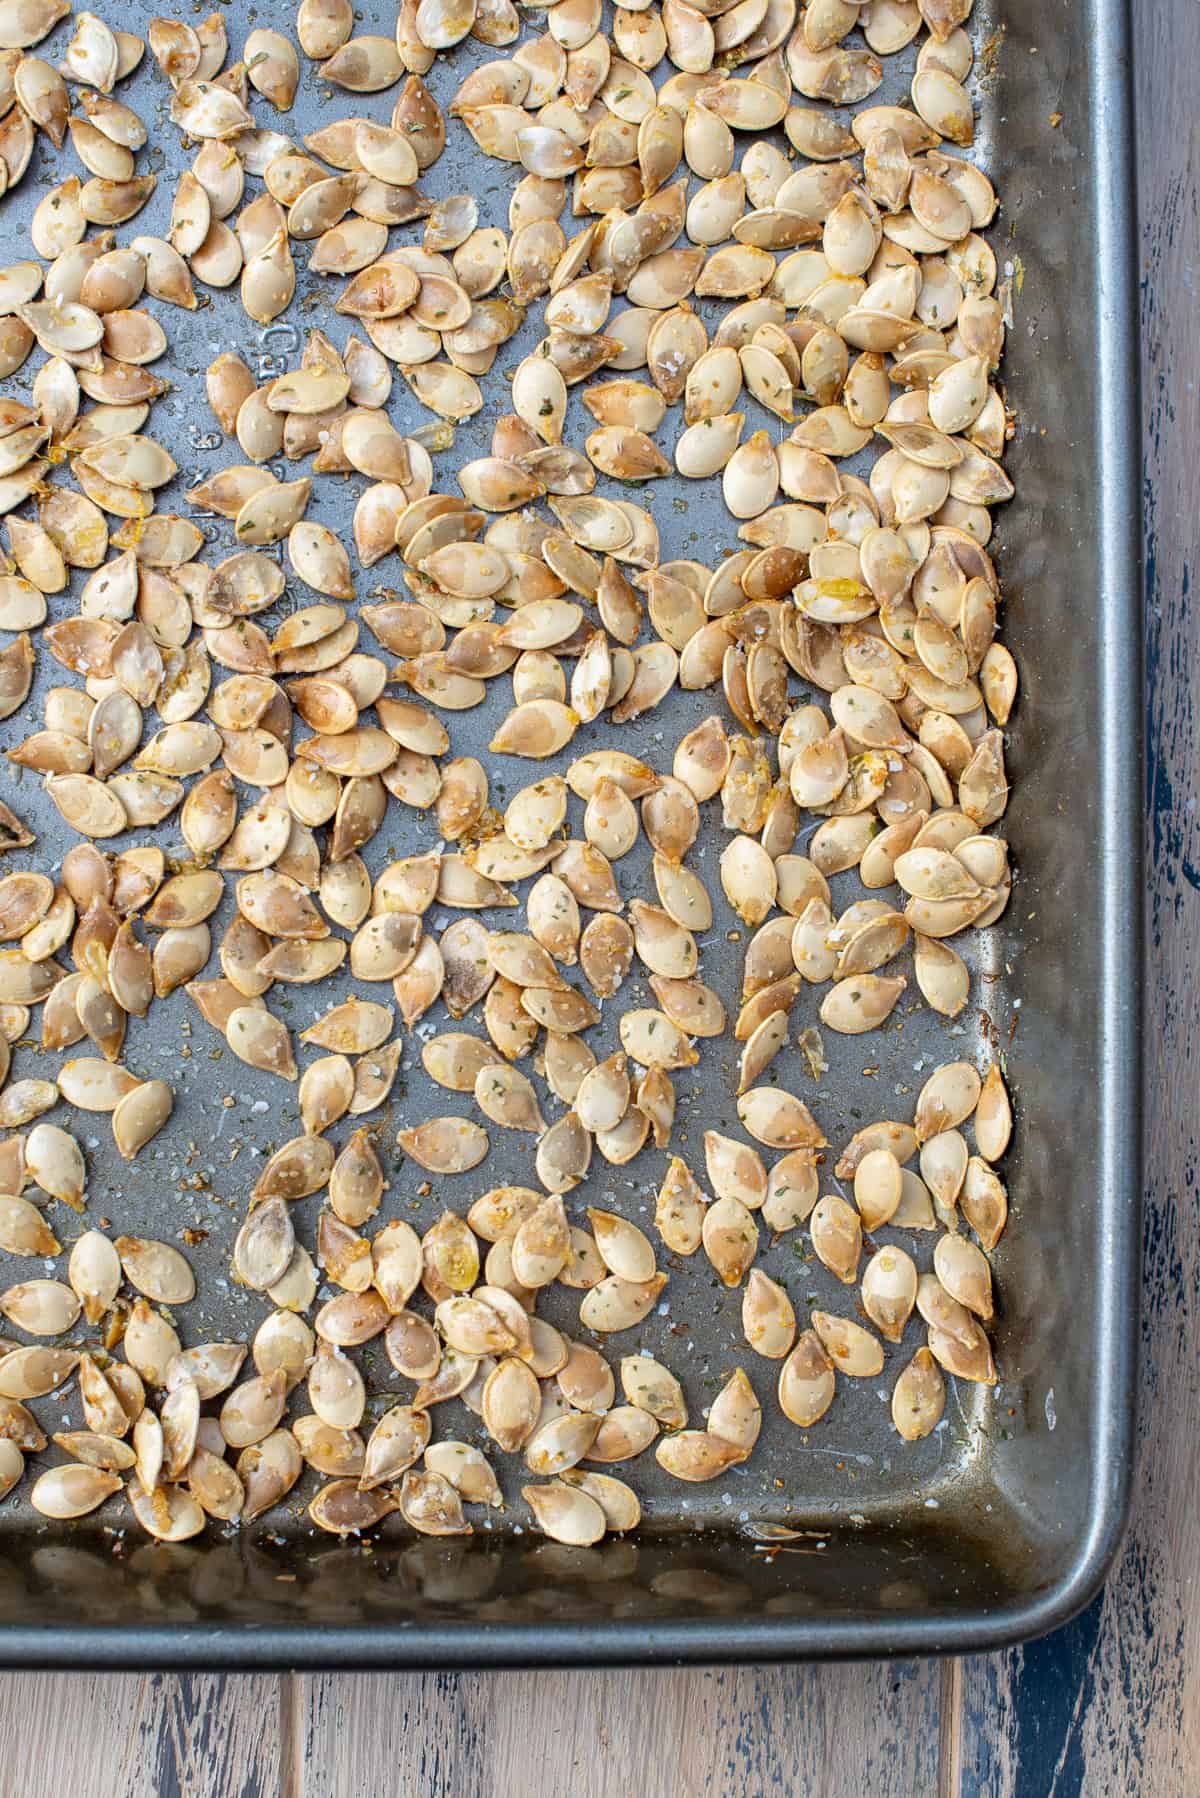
1110,1705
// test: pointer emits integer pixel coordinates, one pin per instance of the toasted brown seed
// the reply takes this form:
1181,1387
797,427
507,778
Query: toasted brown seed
653,1388
993,1116
253,1409
889,1291
344,1510
768,1318
696,1455
918,1397
396,1442
447,1145
466,1469
73,1490
510,1403
264,1245
963,1270
616,1304
140,1114
54,1161
156,1270
29,1373
806,1382
565,1513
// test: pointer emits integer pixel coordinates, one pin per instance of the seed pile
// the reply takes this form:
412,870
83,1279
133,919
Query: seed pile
852,637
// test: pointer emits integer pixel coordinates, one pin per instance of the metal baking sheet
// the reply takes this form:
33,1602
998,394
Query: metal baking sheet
1002,1521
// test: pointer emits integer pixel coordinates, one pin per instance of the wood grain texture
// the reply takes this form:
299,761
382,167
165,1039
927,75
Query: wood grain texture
719,1733
1110,1705
141,1736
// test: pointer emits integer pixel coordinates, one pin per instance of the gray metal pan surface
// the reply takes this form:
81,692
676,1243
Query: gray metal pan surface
1001,1523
